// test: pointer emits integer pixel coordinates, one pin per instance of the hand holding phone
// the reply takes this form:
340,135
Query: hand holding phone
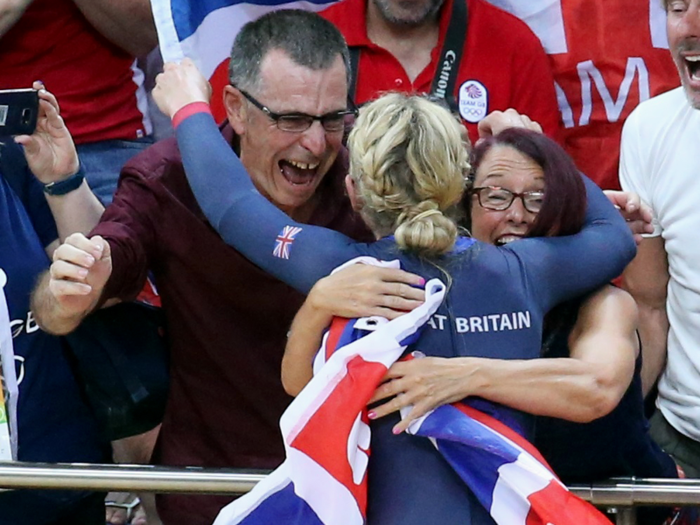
49,150
19,110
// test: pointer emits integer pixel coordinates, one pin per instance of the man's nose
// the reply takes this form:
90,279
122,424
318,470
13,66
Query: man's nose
690,22
314,139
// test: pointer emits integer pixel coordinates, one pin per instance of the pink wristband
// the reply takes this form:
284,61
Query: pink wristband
189,110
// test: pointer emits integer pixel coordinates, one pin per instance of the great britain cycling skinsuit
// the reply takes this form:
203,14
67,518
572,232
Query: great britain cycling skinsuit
494,306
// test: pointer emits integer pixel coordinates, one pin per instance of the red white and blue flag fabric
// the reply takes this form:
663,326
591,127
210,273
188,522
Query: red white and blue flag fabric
506,473
204,30
325,430
284,241
327,437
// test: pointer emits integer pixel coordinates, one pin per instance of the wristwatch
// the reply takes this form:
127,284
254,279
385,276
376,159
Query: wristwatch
64,186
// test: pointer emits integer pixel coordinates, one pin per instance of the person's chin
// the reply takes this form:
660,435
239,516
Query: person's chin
693,95
291,195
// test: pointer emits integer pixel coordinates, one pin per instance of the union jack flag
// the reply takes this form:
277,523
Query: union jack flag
323,481
283,243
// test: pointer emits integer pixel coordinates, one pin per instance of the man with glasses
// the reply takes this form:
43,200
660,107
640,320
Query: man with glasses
227,320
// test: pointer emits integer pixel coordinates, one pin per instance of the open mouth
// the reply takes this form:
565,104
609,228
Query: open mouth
506,239
298,173
693,65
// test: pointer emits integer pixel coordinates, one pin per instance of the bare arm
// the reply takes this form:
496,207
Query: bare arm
497,121
303,343
10,12
646,278
51,157
357,291
585,386
126,23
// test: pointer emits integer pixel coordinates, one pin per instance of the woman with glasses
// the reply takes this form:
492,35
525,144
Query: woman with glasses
408,164
593,425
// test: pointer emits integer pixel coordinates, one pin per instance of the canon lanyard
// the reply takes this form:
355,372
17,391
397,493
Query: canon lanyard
447,69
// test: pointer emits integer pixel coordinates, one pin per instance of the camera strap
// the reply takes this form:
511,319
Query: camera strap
445,78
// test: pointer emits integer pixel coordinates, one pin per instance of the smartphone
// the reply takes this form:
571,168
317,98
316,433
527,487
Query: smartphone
19,109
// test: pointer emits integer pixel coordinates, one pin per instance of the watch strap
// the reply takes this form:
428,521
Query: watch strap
64,186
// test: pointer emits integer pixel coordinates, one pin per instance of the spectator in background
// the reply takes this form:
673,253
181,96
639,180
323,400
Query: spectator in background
607,56
658,161
492,59
53,422
85,50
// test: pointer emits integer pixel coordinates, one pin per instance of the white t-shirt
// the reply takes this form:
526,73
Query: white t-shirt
660,160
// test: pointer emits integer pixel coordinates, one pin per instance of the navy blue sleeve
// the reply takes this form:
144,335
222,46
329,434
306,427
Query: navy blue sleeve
298,254
40,213
16,171
560,268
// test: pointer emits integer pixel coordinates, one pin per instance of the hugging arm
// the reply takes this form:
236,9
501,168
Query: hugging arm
304,340
564,267
582,387
360,290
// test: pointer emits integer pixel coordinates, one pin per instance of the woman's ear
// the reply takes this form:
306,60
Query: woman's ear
236,108
351,189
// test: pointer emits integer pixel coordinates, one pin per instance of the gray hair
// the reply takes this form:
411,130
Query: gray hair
309,40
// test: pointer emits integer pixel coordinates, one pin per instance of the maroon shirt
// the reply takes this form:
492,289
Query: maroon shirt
227,320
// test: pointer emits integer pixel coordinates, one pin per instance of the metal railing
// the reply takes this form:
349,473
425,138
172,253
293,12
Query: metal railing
622,494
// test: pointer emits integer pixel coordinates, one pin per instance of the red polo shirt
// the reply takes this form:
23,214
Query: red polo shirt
503,64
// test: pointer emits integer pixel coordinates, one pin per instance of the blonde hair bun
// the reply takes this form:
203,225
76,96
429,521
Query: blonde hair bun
409,158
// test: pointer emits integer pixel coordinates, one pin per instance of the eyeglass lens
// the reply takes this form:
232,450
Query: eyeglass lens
296,123
500,199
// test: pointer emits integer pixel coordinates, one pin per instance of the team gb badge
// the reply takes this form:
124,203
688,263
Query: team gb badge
473,101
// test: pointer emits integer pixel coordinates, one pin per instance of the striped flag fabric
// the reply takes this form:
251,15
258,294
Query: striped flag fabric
327,436
326,431
506,473
204,30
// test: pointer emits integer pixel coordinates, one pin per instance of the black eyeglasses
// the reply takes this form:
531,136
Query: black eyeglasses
333,122
500,199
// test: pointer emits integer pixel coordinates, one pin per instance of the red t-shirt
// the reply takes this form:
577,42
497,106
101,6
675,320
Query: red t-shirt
607,57
93,80
503,64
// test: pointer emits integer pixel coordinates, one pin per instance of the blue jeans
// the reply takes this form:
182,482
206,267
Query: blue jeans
102,162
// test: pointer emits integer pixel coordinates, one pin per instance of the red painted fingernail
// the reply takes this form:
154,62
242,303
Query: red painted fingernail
371,415
422,281
395,431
